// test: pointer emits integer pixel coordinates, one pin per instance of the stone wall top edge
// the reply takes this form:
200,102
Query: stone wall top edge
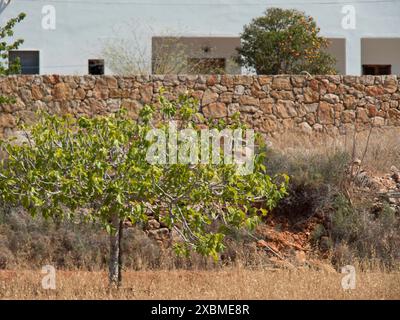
156,76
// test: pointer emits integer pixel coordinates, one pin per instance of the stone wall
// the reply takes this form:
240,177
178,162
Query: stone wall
270,104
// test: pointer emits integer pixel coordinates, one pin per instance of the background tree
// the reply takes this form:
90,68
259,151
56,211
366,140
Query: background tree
98,167
5,67
130,53
132,57
284,42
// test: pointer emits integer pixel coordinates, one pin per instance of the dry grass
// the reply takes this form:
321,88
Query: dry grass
382,151
227,284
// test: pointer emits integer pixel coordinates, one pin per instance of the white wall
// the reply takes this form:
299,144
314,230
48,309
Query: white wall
83,24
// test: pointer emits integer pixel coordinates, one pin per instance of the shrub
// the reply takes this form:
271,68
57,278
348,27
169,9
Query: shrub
361,235
315,179
350,228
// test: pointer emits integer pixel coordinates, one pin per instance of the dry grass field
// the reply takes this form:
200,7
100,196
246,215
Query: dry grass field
236,283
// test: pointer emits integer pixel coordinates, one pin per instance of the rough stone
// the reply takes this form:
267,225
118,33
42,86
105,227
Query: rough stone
37,93
281,83
331,98
285,109
325,113
239,90
378,121
305,127
310,95
7,120
282,95
61,92
226,97
362,115
374,91
269,125
311,108
215,110
264,80
209,97
390,84
298,81
349,101
266,105
80,94
133,108
248,109
147,93
348,116
249,100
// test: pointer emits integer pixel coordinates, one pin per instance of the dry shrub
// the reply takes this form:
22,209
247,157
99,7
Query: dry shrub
30,243
371,239
6,258
34,242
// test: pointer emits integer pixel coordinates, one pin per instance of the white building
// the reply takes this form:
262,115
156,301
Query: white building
65,36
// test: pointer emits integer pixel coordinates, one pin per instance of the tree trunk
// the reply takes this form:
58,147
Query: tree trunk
115,263
121,225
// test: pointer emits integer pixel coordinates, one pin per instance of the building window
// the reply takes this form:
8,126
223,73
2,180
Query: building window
29,60
207,65
96,66
377,69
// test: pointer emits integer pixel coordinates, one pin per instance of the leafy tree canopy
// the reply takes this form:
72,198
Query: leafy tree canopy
284,42
98,167
5,47
5,67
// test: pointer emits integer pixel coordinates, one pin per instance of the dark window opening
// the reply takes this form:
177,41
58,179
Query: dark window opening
96,67
377,69
207,65
29,60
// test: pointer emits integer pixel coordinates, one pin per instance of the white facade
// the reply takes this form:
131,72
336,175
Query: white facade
70,32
